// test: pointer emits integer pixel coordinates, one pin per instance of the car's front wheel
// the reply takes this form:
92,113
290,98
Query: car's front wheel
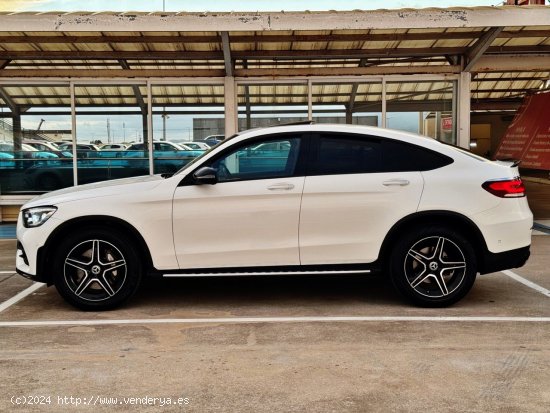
97,269
433,267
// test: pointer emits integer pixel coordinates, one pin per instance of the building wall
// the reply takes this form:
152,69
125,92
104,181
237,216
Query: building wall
498,125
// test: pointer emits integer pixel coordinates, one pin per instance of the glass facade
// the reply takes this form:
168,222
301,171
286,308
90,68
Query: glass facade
26,164
182,116
109,119
146,126
423,107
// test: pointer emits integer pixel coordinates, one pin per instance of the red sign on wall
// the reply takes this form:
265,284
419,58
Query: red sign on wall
447,124
528,136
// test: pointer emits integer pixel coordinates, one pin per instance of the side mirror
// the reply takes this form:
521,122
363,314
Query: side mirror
206,175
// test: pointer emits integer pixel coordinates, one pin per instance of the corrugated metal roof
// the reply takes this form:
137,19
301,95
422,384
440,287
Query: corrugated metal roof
121,51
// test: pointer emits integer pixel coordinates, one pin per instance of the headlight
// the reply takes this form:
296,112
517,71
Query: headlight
34,217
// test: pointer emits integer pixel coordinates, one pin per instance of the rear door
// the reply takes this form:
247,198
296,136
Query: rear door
352,198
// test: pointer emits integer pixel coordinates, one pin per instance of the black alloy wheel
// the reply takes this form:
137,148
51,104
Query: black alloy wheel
97,269
433,267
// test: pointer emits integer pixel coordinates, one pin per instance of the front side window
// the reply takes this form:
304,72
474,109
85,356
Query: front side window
275,158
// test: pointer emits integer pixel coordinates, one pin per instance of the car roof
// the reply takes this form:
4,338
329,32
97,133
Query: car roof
344,128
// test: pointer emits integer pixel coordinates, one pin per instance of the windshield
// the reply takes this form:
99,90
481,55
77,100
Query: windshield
194,160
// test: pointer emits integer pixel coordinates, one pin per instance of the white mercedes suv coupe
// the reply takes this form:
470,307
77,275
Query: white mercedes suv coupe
300,199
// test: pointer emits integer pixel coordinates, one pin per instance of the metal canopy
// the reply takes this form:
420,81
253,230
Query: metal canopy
507,50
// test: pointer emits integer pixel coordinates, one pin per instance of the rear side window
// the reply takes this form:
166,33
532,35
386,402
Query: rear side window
403,157
334,155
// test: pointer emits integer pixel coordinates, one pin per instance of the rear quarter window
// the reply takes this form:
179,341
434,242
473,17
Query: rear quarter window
402,157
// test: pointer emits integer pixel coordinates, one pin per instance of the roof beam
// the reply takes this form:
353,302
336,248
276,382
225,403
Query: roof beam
118,73
9,101
135,88
108,54
406,106
473,54
413,105
279,95
273,73
452,60
277,38
4,63
512,63
226,47
496,104
429,18
268,38
295,54
507,78
347,71
219,55
179,64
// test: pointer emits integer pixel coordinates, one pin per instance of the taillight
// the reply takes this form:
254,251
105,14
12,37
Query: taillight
508,188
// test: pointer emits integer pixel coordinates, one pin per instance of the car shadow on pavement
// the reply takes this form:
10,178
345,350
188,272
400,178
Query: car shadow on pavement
267,290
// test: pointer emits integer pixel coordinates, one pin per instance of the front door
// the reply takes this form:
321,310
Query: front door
250,216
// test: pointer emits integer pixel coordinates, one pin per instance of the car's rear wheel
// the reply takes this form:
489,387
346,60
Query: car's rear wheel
433,267
97,269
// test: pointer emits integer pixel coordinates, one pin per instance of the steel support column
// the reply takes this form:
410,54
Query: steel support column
384,103
17,135
463,115
309,100
73,133
148,126
230,93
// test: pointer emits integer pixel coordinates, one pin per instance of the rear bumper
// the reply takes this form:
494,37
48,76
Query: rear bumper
493,262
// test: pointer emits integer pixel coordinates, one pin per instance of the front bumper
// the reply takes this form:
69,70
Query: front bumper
22,265
30,243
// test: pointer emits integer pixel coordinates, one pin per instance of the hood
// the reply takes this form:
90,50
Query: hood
105,188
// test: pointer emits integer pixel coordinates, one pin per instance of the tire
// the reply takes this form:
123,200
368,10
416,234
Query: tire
97,269
433,266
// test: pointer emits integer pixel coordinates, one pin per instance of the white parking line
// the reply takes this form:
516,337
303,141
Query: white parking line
7,272
248,320
18,297
526,282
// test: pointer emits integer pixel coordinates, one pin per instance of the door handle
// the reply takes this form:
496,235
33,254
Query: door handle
281,187
396,182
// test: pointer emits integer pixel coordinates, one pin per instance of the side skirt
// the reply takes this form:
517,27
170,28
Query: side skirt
272,271
245,273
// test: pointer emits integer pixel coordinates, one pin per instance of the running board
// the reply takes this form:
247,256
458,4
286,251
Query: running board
247,273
